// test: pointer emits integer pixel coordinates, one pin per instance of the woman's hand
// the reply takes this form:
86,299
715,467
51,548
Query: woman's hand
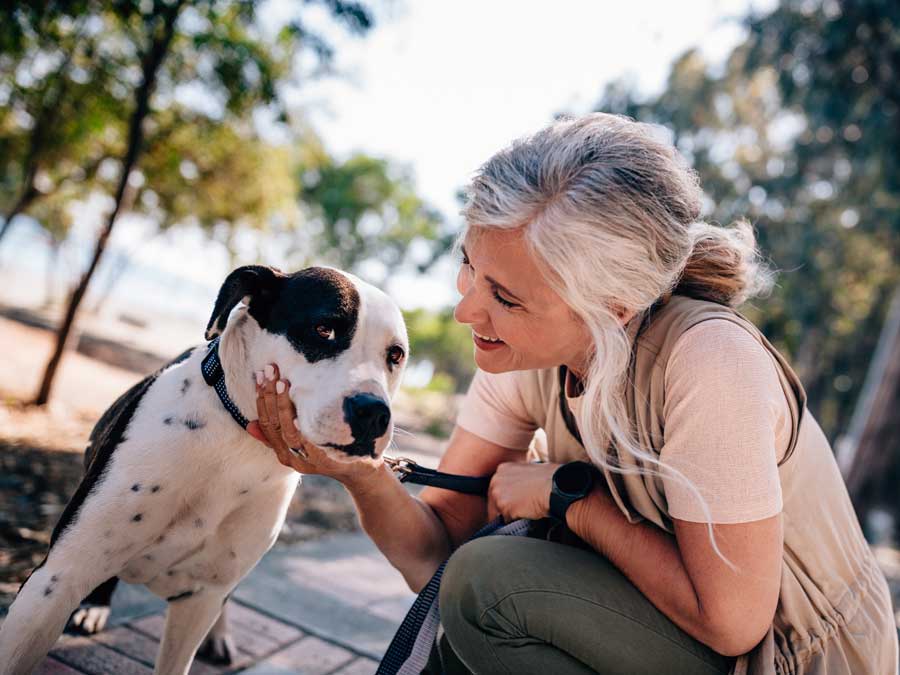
521,490
276,427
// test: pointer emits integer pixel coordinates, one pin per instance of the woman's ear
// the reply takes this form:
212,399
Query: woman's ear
623,315
250,280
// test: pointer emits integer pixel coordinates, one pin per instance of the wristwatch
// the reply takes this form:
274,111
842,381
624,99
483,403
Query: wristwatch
571,482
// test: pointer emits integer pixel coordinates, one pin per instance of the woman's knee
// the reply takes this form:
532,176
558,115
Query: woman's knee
476,577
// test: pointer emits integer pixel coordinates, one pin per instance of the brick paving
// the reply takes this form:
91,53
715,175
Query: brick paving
326,607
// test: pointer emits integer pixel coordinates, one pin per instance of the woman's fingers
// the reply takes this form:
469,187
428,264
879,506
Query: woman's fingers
271,374
262,425
287,414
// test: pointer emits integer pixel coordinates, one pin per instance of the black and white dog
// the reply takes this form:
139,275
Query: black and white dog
177,495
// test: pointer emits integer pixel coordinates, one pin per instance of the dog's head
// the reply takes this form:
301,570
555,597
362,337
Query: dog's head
340,342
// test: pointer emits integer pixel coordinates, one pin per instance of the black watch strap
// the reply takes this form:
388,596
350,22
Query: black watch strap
558,506
571,482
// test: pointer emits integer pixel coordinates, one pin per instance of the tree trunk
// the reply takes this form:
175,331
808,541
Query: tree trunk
36,143
29,193
867,453
150,69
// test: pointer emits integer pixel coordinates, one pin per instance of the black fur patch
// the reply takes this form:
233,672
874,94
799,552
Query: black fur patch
294,305
105,437
181,357
311,298
102,595
193,424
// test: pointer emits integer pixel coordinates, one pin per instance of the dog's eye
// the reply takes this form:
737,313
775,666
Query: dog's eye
325,332
395,355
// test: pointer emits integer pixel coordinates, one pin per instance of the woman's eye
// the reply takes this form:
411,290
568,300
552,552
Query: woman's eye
325,332
395,355
464,259
503,301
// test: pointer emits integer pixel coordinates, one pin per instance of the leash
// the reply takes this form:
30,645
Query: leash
411,647
407,471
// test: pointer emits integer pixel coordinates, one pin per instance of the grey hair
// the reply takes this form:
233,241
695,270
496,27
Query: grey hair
611,213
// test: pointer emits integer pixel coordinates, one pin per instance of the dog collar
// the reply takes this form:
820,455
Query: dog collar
215,378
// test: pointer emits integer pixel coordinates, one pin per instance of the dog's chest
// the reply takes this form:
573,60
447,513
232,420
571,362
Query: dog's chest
203,505
212,538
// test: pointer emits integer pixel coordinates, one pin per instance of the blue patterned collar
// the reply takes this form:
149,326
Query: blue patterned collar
215,378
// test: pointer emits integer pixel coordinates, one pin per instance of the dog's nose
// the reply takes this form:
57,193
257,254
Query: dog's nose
368,416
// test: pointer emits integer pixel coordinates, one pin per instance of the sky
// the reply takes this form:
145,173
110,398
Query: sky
440,86
443,85
437,87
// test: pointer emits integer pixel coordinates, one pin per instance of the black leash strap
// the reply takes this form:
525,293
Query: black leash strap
410,472
409,650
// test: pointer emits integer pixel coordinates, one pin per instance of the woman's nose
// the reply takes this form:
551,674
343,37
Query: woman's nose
467,309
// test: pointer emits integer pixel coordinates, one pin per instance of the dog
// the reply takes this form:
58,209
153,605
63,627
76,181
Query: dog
177,495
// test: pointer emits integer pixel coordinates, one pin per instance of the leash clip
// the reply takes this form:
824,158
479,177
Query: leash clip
403,466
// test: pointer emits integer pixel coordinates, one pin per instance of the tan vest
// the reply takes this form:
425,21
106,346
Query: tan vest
834,611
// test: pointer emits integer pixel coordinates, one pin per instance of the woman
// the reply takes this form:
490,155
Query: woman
602,311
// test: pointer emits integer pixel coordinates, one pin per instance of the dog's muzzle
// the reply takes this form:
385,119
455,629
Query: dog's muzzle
369,418
367,415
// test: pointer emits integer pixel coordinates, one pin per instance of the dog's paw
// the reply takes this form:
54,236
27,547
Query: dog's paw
88,619
218,649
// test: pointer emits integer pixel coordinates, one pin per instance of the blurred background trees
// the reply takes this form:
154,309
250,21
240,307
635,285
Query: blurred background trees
152,104
798,133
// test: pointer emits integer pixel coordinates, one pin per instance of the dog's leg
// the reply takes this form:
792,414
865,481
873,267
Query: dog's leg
188,620
218,647
93,612
39,614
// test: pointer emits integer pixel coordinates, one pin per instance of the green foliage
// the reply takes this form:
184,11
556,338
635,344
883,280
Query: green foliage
438,338
71,71
799,133
365,209
196,170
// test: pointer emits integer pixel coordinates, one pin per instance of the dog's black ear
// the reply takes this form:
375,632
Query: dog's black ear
259,282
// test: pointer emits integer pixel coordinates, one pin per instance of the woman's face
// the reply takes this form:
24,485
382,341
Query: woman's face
518,322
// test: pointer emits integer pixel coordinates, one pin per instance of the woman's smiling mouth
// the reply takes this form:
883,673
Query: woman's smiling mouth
486,342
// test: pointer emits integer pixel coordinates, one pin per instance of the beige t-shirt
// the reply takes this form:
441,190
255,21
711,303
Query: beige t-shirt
727,422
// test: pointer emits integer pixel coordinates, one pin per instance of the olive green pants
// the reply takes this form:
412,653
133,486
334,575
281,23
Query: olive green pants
520,605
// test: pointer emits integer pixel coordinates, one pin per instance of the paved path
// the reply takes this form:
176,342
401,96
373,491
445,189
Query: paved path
318,608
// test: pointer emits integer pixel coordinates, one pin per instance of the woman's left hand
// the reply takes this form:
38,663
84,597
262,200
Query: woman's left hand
521,490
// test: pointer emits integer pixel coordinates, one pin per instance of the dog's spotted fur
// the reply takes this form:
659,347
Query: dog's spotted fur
177,496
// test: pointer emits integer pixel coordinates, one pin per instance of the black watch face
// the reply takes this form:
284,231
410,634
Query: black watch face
574,479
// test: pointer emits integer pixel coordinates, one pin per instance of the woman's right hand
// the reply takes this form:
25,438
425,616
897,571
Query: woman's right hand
276,428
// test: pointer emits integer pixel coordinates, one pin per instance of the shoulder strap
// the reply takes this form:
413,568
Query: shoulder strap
564,410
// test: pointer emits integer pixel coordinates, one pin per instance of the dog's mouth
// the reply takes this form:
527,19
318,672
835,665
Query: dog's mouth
356,449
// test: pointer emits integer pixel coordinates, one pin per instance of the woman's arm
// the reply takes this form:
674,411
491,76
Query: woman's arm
415,535
727,609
